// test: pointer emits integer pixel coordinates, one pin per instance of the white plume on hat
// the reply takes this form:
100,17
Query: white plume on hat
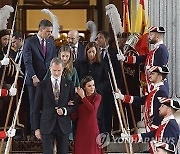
55,23
115,18
4,16
91,26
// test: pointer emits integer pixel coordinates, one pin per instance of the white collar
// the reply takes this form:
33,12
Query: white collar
53,80
40,39
76,45
158,43
106,48
167,119
158,84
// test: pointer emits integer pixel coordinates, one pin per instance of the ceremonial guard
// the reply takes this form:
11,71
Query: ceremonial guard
156,57
165,137
151,103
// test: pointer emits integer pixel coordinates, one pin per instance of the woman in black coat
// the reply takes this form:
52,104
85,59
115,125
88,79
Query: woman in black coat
93,66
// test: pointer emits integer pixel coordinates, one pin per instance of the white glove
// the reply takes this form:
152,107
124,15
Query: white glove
5,61
11,132
17,67
126,137
12,91
119,95
121,57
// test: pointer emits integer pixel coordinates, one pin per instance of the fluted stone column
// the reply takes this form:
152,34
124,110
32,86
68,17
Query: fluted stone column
166,13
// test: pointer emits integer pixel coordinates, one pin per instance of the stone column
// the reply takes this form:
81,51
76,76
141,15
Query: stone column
167,14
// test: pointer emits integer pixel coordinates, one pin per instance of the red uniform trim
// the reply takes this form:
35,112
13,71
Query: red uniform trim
3,92
130,59
128,99
2,135
135,138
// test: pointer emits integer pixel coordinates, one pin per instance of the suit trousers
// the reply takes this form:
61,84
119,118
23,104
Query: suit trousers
60,138
32,92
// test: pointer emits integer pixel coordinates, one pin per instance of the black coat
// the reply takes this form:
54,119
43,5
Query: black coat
98,71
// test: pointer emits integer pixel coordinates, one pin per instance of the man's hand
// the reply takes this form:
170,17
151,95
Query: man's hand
59,111
12,91
71,102
35,81
5,61
121,57
38,134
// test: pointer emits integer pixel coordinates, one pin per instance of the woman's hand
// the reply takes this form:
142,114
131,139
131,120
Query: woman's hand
80,92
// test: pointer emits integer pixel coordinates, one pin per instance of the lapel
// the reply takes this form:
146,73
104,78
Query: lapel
63,87
49,86
48,46
36,41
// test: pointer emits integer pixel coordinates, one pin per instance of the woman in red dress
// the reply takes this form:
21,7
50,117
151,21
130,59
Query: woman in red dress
86,141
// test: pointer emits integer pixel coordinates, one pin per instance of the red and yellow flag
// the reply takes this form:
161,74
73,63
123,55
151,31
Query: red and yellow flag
142,46
126,20
140,18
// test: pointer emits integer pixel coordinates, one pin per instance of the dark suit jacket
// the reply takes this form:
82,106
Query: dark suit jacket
34,61
80,54
45,116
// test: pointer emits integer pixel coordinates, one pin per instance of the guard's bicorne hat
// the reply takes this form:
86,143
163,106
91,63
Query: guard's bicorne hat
4,32
156,29
160,69
169,102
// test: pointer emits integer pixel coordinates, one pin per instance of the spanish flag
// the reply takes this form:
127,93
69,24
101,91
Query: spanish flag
126,20
140,18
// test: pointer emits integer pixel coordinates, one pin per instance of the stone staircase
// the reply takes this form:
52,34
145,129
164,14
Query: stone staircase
35,147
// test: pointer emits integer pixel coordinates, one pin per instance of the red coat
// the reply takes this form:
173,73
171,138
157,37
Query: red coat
87,126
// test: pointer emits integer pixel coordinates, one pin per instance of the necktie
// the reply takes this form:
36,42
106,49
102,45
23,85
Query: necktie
43,47
74,53
56,91
18,56
102,53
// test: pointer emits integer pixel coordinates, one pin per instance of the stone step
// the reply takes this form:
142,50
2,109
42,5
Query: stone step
23,147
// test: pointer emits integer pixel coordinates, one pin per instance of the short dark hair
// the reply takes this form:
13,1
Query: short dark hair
123,35
45,23
105,34
4,32
17,35
56,61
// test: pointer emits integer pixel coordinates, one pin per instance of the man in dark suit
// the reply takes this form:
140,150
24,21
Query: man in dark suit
51,110
38,51
77,48
103,39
